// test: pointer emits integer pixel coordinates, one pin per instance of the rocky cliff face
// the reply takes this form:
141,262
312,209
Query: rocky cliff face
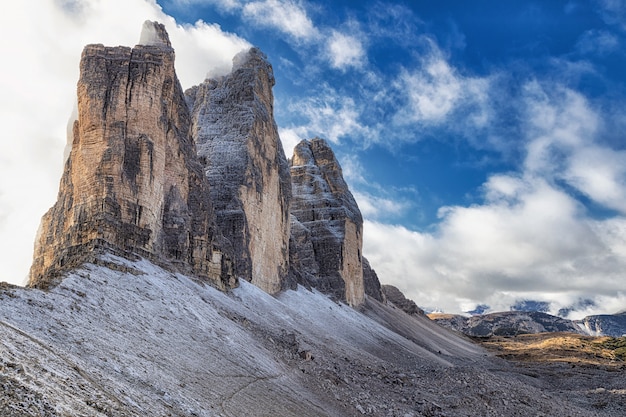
327,224
132,183
606,324
396,297
237,139
371,283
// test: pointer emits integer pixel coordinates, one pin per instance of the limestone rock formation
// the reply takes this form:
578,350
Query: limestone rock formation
371,283
302,262
237,139
396,297
328,226
132,183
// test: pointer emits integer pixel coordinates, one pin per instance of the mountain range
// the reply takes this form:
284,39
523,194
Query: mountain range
188,268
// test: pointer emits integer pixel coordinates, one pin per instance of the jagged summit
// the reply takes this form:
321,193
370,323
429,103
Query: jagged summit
237,139
254,59
199,182
327,225
132,183
154,34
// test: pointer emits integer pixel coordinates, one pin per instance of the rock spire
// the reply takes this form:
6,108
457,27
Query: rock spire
198,182
237,140
132,183
327,225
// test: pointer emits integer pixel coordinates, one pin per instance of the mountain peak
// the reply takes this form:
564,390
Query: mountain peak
327,227
154,34
132,184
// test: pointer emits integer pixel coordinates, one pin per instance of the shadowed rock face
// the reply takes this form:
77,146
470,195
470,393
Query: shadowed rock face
237,139
132,183
327,237
371,282
397,298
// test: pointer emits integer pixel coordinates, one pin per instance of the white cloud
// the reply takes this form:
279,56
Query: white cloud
41,55
394,22
561,130
290,138
375,206
531,237
345,50
531,242
330,116
434,91
288,16
599,173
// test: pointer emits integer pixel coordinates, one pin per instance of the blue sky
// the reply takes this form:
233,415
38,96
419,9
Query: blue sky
484,141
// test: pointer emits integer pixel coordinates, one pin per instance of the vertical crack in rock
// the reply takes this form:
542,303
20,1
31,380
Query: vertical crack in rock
327,226
132,183
237,138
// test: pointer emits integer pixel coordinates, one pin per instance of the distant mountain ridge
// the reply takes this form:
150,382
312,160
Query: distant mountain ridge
512,323
606,324
508,323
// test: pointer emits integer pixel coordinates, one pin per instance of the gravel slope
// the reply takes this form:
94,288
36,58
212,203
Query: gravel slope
136,340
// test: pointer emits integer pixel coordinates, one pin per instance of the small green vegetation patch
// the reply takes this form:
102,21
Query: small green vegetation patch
617,345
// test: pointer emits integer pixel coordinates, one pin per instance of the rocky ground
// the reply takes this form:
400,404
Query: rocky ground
586,371
140,341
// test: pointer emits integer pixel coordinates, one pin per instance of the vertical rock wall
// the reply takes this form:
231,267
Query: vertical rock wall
371,282
199,181
132,182
328,227
237,139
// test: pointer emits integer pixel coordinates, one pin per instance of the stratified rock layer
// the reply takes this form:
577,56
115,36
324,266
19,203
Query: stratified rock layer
132,183
327,224
237,139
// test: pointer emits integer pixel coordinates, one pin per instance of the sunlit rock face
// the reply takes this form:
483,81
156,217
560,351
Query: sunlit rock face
238,142
328,227
132,183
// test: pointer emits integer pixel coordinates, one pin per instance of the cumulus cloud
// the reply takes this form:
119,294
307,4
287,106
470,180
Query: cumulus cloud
376,206
434,91
345,50
531,237
41,56
531,243
288,16
562,129
331,116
